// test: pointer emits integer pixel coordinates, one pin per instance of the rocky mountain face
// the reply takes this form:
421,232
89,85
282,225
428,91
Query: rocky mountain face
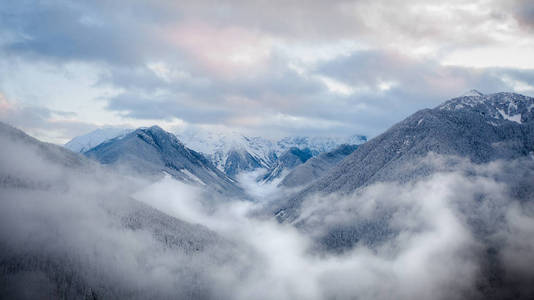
290,159
153,151
230,153
241,161
316,167
246,153
234,153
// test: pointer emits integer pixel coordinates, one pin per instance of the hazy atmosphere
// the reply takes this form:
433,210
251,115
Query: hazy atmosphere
267,149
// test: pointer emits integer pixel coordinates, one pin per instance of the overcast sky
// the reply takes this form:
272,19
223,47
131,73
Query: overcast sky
270,68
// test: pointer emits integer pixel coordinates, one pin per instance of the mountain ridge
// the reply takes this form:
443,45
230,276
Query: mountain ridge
153,150
230,153
466,131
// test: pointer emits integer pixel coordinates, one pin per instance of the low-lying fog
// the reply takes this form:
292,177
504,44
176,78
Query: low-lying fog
64,225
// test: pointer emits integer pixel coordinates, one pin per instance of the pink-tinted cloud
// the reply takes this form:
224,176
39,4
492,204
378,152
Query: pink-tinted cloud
227,51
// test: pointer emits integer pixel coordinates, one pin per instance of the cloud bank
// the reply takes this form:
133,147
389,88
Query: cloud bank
264,68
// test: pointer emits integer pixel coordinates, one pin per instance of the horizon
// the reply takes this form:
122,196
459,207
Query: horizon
179,132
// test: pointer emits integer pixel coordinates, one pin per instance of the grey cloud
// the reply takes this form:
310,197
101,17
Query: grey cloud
415,85
524,12
413,75
124,38
128,32
66,31
277,89
166,107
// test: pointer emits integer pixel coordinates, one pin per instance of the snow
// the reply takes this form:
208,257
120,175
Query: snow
514,118
472,93
192,176
92,139
217,145
504,106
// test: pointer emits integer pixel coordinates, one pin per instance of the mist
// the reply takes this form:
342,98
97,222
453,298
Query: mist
91,231
428,242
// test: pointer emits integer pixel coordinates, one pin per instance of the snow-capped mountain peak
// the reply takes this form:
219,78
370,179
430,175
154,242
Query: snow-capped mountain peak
219,146
234,152
472,93
230,152
92,139
501,106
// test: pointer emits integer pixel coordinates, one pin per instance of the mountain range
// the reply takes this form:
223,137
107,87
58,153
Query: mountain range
153,151
231,153
482,128
235,153
446,192
69,227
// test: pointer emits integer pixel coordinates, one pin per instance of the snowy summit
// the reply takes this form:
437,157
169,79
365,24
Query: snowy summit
472,93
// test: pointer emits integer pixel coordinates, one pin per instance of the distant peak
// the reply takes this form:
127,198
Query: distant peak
155,127
472,92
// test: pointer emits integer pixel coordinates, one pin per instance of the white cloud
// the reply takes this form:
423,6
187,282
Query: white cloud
519,86
336,86
505,56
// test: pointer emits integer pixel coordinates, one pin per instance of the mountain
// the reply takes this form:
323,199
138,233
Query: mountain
316,167
239,161
500,106
290,159
153,150
472,93
482,128
12,137
69,229
245,153
318,144
92,139
233,152
468,161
